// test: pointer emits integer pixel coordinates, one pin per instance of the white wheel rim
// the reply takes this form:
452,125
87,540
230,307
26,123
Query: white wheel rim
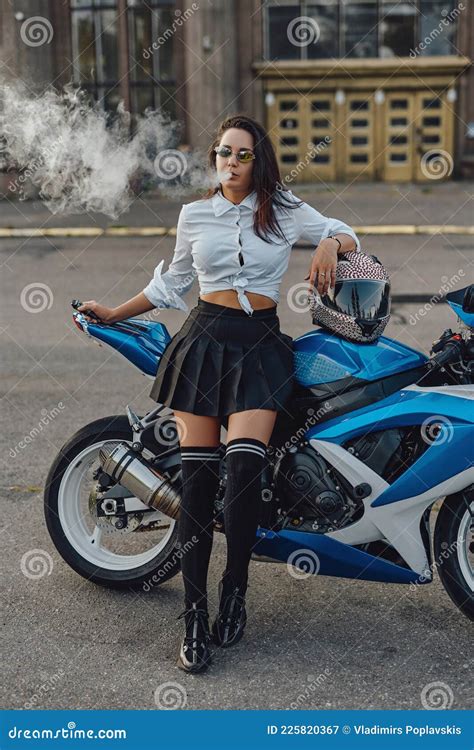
74,525
463,548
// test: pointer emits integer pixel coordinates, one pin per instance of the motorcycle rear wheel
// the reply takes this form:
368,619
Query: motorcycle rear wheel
71,526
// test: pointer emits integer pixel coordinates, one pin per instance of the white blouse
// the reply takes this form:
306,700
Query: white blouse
214,235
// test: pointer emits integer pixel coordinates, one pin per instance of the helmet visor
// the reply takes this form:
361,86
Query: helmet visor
362,299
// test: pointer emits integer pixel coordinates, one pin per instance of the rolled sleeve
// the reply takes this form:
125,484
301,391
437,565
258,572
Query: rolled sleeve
336,226
165,289
312,226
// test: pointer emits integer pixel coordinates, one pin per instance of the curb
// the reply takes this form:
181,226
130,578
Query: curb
388,229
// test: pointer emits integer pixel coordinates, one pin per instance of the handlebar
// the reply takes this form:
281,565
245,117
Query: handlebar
450,353
77,303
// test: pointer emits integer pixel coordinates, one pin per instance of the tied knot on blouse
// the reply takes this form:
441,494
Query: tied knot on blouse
216,243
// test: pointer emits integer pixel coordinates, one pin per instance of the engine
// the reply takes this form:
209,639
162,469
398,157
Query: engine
312,495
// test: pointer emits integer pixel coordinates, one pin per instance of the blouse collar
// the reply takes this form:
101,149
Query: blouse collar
221,204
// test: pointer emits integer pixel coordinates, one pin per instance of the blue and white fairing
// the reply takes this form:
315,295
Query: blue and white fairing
142,342
321,357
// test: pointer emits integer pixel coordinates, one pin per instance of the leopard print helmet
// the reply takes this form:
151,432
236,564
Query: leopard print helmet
358,307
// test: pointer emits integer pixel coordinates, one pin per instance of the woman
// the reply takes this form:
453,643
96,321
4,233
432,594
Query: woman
229,357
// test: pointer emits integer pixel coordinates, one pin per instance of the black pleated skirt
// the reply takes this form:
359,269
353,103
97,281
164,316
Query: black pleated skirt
223,360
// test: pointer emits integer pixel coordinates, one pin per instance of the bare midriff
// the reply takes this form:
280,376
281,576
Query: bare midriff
229,298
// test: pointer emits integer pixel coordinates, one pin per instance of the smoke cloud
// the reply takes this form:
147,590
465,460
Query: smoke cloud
82,160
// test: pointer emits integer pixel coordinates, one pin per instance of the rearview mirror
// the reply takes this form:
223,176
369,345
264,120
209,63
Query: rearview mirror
468,300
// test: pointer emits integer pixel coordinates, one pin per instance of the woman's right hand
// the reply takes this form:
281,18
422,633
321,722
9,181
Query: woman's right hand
106,314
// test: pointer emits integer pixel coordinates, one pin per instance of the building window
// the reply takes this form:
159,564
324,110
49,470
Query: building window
317,29
359,29
96,51
326,15
151,55
279,19
436,41
397,29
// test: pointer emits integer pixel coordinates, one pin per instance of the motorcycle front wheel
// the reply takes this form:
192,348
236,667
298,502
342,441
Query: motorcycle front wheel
453,545
143,555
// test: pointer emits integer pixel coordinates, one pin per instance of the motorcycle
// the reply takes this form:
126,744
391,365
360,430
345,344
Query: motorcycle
374,435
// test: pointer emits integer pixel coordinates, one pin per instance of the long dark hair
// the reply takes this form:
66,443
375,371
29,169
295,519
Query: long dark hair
265,176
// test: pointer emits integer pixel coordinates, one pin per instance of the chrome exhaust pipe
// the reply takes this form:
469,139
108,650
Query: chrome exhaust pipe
130,469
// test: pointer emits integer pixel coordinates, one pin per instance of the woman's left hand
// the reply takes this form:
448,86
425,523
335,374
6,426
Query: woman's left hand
323,267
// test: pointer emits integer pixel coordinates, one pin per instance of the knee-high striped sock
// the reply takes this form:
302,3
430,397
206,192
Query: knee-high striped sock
200,472
244,462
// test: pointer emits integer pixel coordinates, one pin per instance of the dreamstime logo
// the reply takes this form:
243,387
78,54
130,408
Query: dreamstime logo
170,563
170,430
170,164
168,32
303,563
36,31
34,166
171,297
437,696
170,696
448,18
313,418
314,682
46,418
303,31
447,551
36,563
184,284
45,687
297,297
437,430
447,285
436,164
313,150
36,297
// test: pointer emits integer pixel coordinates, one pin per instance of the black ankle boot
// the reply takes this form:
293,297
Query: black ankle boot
194,654
228,626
